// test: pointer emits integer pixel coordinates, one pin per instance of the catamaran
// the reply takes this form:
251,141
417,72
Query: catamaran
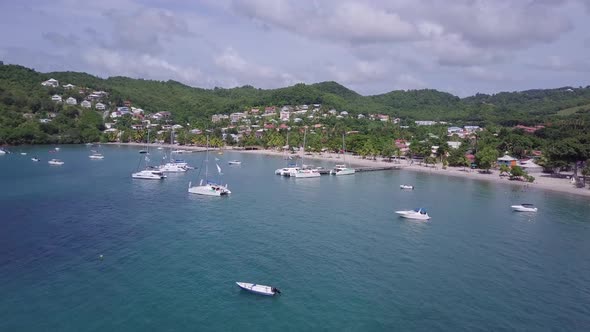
149,173
286,171
343,169
304,172
172,166
207,187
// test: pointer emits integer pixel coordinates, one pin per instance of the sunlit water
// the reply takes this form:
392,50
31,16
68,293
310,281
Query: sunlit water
333,245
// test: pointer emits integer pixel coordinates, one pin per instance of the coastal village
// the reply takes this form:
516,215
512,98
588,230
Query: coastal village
259,121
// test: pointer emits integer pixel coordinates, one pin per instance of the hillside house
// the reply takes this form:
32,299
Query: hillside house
71,101
86,104
56,98
51,83
100,106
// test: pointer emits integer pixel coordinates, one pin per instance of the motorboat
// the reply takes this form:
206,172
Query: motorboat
342,170
418,213
142,151
234,162
149,174
55,162
258,289
406,186
182,163
23,153
96,156
35,159
3,151
525,207
160,148
179,151
56,149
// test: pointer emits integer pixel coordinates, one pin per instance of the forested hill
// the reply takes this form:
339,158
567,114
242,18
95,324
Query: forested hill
21,91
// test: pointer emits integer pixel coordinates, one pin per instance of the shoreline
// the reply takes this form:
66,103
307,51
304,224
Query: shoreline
542,181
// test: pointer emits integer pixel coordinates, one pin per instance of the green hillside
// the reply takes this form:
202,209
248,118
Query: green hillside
22,96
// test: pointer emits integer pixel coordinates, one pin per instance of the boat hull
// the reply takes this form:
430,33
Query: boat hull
148,175
404,186
256,289
520,208
412,215
209,190
344,171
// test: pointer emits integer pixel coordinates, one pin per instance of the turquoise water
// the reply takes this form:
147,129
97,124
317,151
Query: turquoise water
333,245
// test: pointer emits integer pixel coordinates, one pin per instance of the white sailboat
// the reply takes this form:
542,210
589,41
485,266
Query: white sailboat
149,173
206,187
304,172
172,166
343,169
286,171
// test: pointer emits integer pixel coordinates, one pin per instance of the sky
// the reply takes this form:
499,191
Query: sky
374,46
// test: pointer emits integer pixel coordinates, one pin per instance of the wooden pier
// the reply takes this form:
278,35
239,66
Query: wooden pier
364,169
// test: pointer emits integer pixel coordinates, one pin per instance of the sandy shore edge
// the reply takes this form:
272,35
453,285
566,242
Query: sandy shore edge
542,181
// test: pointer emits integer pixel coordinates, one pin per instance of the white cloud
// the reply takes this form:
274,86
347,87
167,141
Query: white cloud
359,72
143,66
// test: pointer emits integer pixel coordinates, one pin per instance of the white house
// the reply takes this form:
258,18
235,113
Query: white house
454,145
236,117
51,82
285,115
472,129
425,123
71,101
297,120
176,127
100,106
44,120
69,86
56,98
344,113
86,104
530,167
360,116
333,112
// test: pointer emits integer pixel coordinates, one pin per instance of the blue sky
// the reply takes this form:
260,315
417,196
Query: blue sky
461,46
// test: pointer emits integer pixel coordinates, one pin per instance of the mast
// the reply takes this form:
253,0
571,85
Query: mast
304,137
207,160
344,151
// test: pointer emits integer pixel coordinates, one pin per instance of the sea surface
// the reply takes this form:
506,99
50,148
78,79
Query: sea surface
343,260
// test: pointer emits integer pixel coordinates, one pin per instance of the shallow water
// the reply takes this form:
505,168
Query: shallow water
333,245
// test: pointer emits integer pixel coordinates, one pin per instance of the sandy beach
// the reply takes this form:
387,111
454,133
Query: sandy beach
542,181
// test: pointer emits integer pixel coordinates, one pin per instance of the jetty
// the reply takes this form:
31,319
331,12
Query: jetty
326,171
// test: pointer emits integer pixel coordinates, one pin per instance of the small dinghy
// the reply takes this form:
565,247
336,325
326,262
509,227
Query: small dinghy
35,159
525,207
234,162
258,289
406,186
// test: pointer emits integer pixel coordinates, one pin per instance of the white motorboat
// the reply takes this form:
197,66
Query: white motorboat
342,170
160,148
3,151
234,162
23,153
406,186
258,289
55,162
418,213
56,149
149,174
206,187
179,151
35,159
96,156
525,207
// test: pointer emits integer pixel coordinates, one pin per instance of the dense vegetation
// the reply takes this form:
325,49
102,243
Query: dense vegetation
564,112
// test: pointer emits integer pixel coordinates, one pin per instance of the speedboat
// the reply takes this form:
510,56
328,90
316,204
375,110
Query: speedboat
149,174
179,151
56,149
209,189
55,162
406,186
418,213
258,289
234,162
23,153
342,170
35,159
525,207
96,156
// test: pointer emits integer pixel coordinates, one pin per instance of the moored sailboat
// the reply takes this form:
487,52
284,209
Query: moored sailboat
206,187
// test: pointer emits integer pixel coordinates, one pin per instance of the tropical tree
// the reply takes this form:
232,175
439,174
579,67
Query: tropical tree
486,157
504,169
